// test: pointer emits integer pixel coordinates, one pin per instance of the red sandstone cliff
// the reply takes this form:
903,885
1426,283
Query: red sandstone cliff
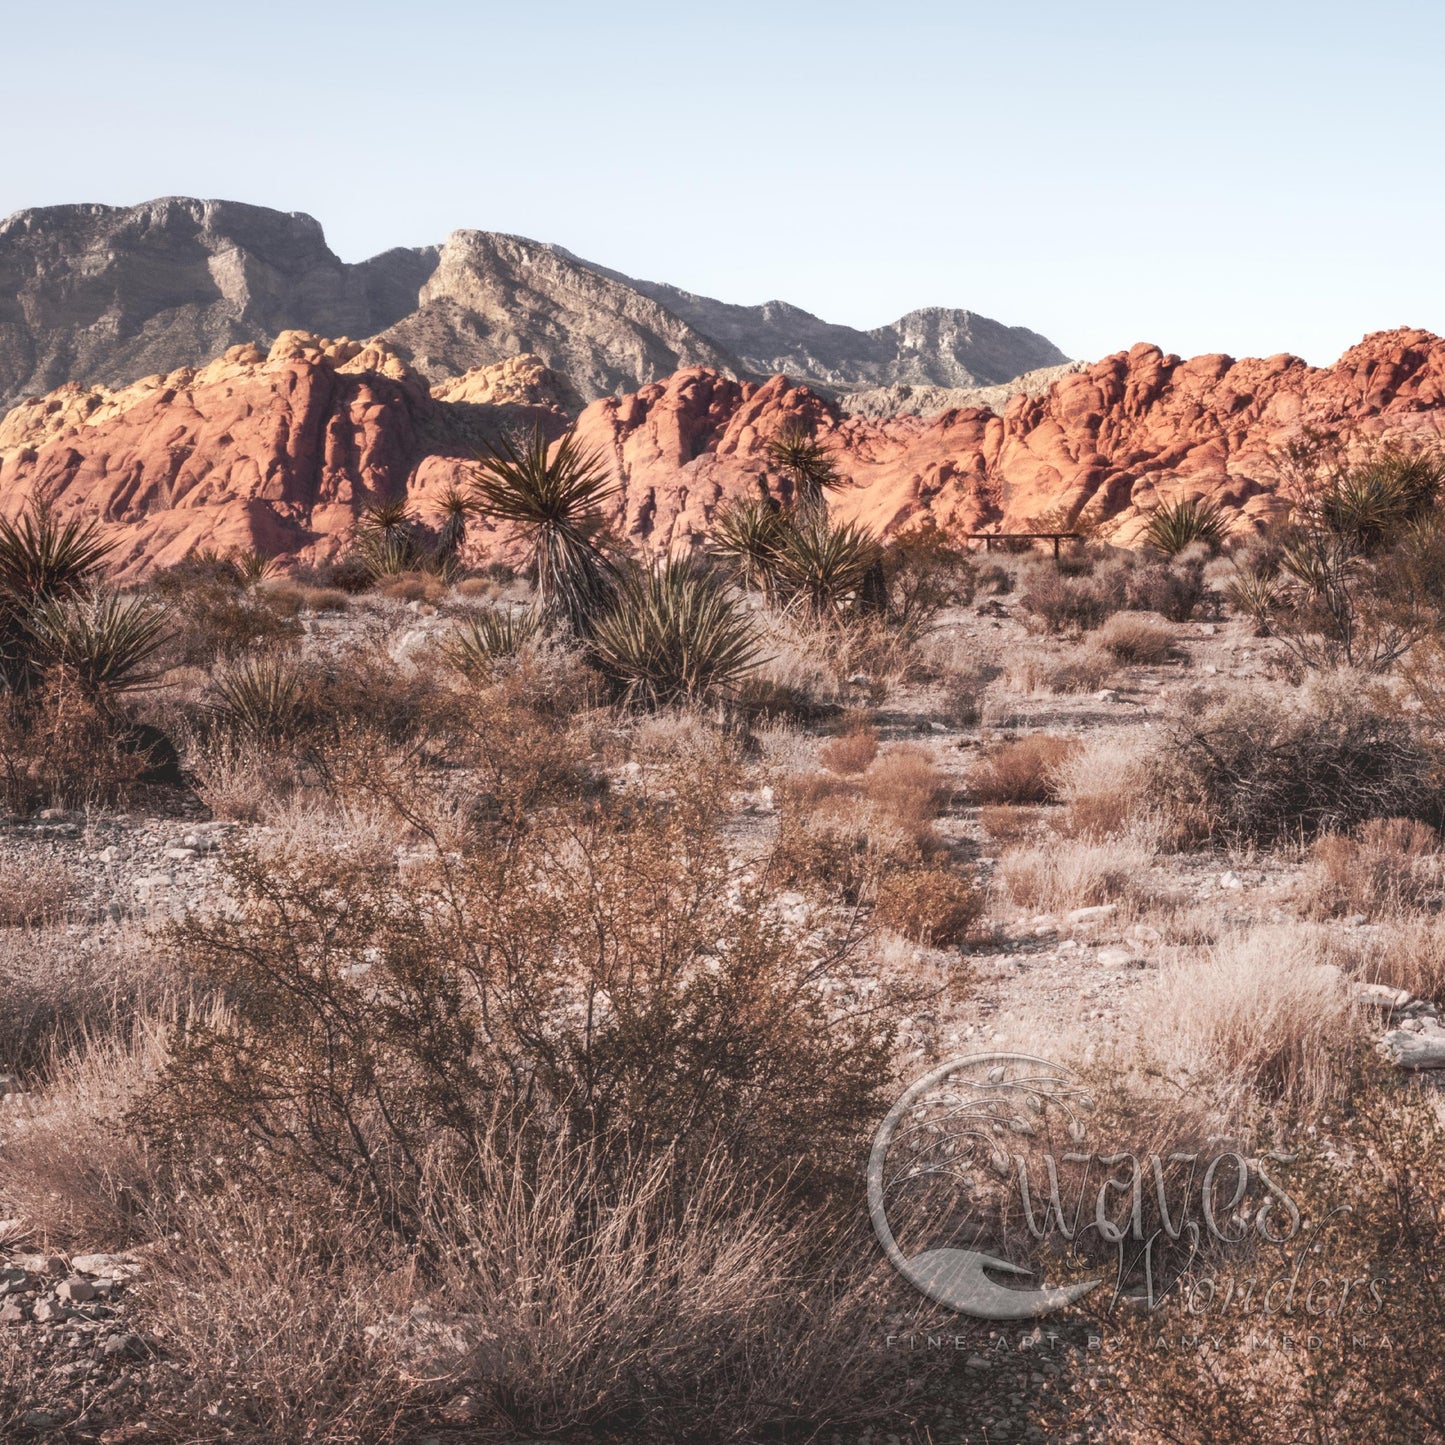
280,451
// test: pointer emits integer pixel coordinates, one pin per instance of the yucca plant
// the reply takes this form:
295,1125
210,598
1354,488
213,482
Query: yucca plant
805,462
104,641
1173,527
452,533
386,539
259,696
674,634
43,557
1255,595
1370,504
825,567
253,567
552,496
488,637
748,534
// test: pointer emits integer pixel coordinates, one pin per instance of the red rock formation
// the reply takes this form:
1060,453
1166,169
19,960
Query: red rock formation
279,453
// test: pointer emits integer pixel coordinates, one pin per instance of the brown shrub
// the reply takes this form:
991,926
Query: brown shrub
1084,671
1076,874
1134,639
1055,604
852,751
936,906
415,587
325,599
1022,771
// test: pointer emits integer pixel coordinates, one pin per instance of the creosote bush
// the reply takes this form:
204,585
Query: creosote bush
1260,768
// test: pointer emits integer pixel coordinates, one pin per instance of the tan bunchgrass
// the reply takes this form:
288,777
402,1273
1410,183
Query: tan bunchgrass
1062,874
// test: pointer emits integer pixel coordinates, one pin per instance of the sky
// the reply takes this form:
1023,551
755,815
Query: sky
1247,178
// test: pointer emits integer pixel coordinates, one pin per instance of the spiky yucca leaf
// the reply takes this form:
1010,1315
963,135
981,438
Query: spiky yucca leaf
254,567
824,567
1175,526
552,496
674,634
260,696
103,640
749,533
488,637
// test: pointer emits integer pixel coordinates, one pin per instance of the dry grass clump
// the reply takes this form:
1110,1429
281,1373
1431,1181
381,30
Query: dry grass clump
1392,865
34,890
1259,768
1132,638
853,750
1022,771
1105,786
935,906
1406,953
70,1164
1058,876
415,587
1084,670
1055,604
1263,1012
840,836
1005,823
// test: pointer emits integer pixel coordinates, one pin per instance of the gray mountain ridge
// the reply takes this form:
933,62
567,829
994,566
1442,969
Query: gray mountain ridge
106,294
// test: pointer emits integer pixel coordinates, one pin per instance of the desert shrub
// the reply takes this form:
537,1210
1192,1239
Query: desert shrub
1176,591
1261,768
1106,787
907,787
59,747
673,634
1084,670
1081,873
936,906
325,599
1133,639
853,750
995,579
1404,952
926,573
412,586
70,1165
1022,771
308,1291
348,574
1058,604
442,995
1391,865
211,617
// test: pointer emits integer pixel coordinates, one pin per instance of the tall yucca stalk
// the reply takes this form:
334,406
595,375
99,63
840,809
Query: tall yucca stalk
824,567
552,496
1175,526
674,634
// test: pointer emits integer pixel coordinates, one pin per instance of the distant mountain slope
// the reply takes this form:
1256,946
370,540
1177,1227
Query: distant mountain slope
108,294
936,346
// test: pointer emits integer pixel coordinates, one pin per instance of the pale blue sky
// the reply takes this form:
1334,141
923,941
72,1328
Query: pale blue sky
1238,177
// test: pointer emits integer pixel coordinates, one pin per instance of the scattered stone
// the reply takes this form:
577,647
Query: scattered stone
1093,914
180,855
1381,995
12,1312
1230,880
1118,956
1410,1050
76,1290
1107,695
50,1311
